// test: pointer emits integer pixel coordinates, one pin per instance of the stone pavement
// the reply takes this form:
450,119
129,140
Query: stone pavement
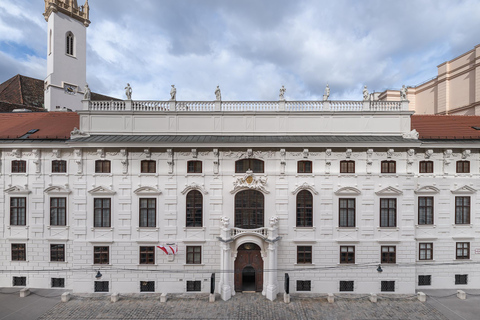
244,306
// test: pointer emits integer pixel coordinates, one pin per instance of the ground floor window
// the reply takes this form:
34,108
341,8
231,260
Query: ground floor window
346,285
388,286
101,286
194,286
147,286
425,280
58,282
19,281
304,285
461,279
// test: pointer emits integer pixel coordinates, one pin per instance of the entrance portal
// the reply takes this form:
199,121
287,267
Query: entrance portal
249,268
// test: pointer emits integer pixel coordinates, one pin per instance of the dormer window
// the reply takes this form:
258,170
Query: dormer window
69,45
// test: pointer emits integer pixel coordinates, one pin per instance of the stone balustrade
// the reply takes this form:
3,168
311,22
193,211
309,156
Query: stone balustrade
236,232
244,106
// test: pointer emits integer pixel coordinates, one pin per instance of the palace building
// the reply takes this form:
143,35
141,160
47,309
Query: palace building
136,196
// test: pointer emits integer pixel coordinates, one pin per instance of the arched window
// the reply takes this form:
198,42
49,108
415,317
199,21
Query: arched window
194,209
50,42
304,209
69,45
241,166
249,209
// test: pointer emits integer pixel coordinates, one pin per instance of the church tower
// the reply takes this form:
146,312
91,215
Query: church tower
67,53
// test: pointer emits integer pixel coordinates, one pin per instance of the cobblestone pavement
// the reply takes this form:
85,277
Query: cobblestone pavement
243,306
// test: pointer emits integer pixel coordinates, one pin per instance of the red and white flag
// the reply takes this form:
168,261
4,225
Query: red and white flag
169,249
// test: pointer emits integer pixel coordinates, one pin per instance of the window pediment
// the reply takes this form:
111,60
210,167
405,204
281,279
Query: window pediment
348,191
57,190
147,191
101,191
464,190
249,181
17,190
305,186
427,190
194,186
389,191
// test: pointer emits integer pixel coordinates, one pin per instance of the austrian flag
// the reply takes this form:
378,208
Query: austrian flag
169,249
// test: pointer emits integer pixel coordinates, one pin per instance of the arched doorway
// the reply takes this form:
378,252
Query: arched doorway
249,268
249,209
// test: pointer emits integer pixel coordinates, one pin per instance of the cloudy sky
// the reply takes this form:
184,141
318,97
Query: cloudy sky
249,47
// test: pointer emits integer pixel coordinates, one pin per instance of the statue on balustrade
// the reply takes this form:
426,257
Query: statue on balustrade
173,93
218,94
128,91
403,93
365,93
326,95
87,94
281,96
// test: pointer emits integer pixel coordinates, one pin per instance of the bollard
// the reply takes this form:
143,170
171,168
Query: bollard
163,297
373,297
24,292
115,297
286,297
66,296
422,297
461,295
211,298
331,298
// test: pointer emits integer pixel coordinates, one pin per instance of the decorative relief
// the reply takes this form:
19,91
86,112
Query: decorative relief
447,155
249,154
194,153
390,153
348,191
170,167
76,133
274,221
194,186
170,153
283,162
37,161
124,161
147,153
410,156
147,191
328,152
18,190
369,161
305,186
466,154
305,153
250,181
101,152
464,190
17,153
101,191
427,190
216,166
348,153
78,160
216,153
58,190
389,191
225,222
56,153
428,153
411,135
203,153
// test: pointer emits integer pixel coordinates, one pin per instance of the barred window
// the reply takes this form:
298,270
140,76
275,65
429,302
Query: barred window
57,252
388,212
19,166
346,213
194,209
462,210
194,286
59,166
58,282
148,212
389,254
18,252
58,211
388,167
102,212
18,211
425,280
304,254
147,255
102,166
148,166
241,166
304,285
388,286
194,166
347,254
101,286
347,166
194,254
69,44
101,255
461,279
463,166
426,167
425,210
147,286
463,250
425,251
304,209
346,285
19,281
304,166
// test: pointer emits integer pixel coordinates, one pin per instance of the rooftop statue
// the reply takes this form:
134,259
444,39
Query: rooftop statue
128,91
403,93
218,94
173,93
326,95
281,96
87,94
365,93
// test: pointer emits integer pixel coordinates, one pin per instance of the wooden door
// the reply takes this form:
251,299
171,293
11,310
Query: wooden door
249,255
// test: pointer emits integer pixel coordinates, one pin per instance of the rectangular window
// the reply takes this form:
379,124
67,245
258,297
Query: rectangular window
19,281
388,212
59,166
101,286
194,167
58,282
347,254
194,286
304,254
425,210
346,213
18,252
461,279
463,250
19,166
148,212
101,255
102,166
304,166
18,211
304,285
148,166
57,252
102,212
425,280
463,166
147,286
58,211
194,254
346,285
257,166
388,167
462,210
425,251
347,166
389,254
147,255
388,286
426,167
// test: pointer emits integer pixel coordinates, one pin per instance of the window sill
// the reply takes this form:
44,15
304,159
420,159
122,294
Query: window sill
424,226
462,225
194,264
388,228
426,261
102,229
304,265
194,229
148,174
101,174
347,228
461,260
58,227
304,228
59,262
147,265
201,174
147,229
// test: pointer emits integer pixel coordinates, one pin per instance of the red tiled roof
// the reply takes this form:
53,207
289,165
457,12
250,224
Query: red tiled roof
446,126
50,125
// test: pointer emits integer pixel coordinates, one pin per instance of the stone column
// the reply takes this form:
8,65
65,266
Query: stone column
272,286
226,257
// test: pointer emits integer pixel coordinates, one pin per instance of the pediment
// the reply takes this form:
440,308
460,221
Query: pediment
389,191
464,190
58,190
102,191
305,186
194,186
427,190
348,191
147,191
250,181
17,190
